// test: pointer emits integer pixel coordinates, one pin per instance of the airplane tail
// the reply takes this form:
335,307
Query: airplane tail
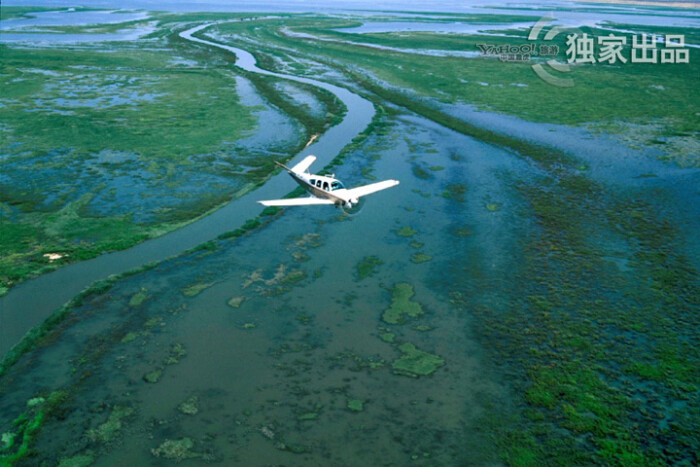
301,167
304,165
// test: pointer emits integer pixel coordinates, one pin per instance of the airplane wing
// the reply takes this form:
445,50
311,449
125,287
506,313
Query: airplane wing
304,164
369,189
295,202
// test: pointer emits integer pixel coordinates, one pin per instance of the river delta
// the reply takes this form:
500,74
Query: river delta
527,295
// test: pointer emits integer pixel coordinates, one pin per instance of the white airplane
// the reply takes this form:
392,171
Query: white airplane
323,189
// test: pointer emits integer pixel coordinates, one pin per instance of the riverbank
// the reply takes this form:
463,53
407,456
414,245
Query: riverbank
68,196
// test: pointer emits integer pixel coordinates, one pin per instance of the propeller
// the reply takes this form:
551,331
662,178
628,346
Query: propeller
352,207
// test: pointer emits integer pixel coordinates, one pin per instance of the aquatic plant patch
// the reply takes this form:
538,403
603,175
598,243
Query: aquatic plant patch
402,307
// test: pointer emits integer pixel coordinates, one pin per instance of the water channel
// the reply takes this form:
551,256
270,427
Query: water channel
31,302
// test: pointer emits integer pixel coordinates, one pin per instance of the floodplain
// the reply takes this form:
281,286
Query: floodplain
527,295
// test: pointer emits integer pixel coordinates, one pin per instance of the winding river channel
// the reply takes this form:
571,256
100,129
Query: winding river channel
31,302
492,305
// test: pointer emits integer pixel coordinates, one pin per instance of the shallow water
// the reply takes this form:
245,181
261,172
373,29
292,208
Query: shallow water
439,27
277,372
612,163
71,18
29,35
430,52
49,39
275,130
28,305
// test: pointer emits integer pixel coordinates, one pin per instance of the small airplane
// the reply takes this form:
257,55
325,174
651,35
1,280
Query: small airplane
324,189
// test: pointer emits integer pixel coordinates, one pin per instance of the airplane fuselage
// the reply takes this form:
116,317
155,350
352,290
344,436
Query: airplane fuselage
322,186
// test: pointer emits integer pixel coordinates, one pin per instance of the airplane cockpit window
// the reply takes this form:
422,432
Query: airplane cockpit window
318,183
336,185
325,186
312,181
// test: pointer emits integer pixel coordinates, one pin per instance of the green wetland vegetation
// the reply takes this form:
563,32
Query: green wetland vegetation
642,104
108,145
517,300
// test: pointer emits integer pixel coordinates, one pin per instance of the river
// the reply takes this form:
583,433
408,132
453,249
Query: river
462,318
31,302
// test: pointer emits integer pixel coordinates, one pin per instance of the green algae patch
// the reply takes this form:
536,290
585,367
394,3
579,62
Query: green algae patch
401,305
293,448
27,425
304,319
190,406
35,401
387,337
366,267
6,441
420,258
80,460
455,191
416,362
109,429
406,231
294,276
420,172
14,444
493,207
177,353
356,405
235,302
308,416
195,289
138,298
310,240
416,245
300,256
153,376
177,450
129,337
153,322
